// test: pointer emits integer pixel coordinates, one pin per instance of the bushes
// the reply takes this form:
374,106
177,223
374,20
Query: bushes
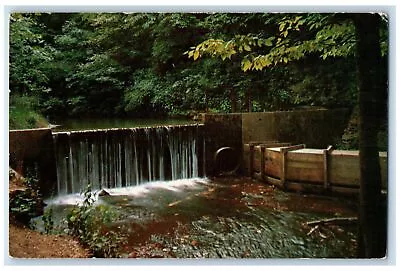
89,223
23,114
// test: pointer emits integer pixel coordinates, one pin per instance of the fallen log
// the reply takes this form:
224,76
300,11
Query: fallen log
312,230
333,220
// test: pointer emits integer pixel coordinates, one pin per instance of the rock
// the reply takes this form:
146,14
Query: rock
103,193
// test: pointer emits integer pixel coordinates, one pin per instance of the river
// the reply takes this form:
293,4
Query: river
107,123
224,218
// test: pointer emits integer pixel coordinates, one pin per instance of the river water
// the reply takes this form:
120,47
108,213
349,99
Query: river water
106,123
224,218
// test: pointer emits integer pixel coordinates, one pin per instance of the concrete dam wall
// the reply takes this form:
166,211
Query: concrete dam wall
65,161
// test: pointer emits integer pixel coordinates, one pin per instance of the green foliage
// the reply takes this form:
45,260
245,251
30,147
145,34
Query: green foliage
89,223
142,91
23,113
27,203
48,221
28,55
328,35
118,64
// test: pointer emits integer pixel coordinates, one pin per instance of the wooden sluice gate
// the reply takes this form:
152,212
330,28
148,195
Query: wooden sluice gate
297,168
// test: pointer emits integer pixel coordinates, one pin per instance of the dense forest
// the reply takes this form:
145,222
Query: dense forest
65,65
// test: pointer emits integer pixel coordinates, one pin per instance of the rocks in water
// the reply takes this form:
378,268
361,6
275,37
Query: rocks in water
103,193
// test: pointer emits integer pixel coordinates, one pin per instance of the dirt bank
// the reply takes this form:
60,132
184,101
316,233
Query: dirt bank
26,243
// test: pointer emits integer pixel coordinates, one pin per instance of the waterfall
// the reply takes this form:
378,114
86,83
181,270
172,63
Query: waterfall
126,157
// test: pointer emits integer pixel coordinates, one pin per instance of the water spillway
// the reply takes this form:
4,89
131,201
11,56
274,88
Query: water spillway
127,157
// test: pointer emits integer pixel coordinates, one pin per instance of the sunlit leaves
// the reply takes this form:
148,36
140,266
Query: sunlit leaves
196,54
226,49
246,64
297,36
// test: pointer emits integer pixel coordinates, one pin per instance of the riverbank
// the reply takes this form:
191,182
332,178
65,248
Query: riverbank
26,243
24,115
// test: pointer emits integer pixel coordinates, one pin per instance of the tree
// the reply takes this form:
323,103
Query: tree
99,61
29,54
372,86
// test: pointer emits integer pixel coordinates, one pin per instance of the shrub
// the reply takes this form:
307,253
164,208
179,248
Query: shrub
89,223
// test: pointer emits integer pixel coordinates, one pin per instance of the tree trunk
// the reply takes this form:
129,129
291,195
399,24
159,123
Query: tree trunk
233,98
372,215
249,102
205,101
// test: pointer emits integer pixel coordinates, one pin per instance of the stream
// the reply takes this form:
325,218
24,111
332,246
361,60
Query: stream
223,218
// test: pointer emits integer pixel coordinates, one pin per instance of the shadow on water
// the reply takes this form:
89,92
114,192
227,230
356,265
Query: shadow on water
222,218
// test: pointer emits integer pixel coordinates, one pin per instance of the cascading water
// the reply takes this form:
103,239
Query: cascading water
127,157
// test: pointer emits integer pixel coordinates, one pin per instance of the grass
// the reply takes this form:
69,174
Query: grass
22,114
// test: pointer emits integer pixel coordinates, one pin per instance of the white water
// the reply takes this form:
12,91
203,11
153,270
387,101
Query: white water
136,191
117,158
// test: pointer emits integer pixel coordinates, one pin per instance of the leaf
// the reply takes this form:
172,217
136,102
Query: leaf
246,64
196,54
247,47
285,33
268,42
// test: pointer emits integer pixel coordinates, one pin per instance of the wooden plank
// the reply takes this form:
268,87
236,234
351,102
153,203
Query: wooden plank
273,181
331,169
346,153
284,151
246,157
298,170
256,158
344,168
309,151
277,144
292,148
305,174
262,162
254,143
306,157
251,155
327,153
301,187
276,149
316,165
304,167
272,165
283,167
